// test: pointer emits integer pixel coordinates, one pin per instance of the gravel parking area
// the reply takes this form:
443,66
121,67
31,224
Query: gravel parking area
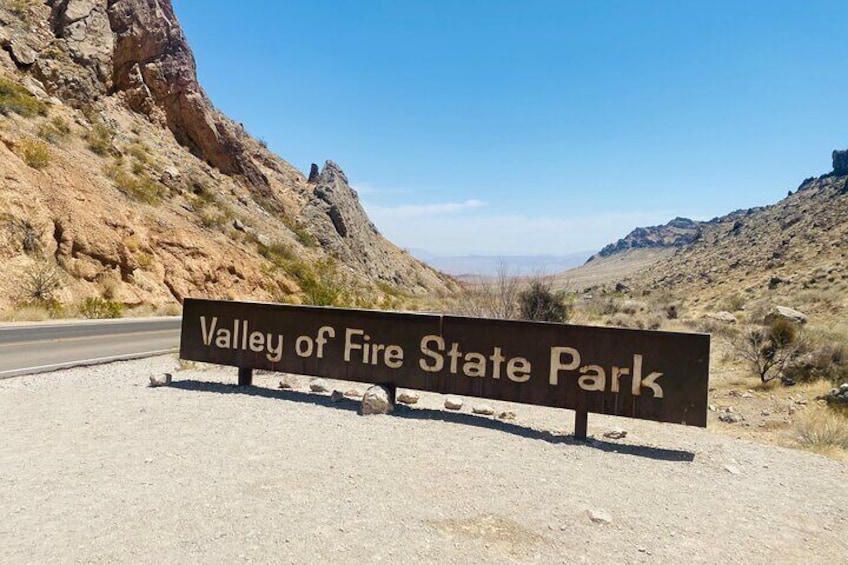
97,467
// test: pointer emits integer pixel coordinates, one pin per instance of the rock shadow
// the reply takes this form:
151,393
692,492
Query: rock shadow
418,413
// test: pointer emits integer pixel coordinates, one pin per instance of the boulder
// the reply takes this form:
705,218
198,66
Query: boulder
785,313
376,401
723,316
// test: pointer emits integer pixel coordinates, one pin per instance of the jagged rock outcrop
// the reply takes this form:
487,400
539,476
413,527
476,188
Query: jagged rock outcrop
148,194
840,162
137,48
677,233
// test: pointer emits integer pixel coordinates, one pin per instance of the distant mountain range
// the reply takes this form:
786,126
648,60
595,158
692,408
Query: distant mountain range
491,265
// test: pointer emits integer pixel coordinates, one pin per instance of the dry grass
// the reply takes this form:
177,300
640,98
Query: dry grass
35,153
823,431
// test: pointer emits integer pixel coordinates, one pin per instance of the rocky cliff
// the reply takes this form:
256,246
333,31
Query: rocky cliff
115,166
677,233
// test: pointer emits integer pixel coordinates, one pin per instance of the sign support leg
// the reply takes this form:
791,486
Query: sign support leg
581,424
245,376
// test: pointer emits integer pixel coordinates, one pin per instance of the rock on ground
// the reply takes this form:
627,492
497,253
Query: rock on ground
376,401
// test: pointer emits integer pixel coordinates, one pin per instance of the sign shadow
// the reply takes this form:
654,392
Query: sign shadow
419,413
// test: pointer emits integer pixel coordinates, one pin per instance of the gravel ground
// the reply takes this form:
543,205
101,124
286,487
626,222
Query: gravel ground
96,467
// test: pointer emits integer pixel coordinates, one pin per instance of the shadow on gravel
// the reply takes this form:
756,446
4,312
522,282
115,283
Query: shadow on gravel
410,413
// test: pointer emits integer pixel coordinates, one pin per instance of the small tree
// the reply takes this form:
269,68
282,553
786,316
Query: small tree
539,303
769,350
40,283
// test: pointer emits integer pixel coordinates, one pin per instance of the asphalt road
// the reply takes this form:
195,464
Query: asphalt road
41,347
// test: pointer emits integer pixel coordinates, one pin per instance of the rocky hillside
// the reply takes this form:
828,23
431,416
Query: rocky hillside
794,249
677,233
117,170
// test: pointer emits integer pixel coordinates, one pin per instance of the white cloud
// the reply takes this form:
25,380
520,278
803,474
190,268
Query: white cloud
411,211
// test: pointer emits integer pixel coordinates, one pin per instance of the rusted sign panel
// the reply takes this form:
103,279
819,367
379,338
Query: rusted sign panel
649,375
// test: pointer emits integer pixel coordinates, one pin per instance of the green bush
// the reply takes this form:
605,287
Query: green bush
138,187
539,303
35,153
14,98
98,308
324,285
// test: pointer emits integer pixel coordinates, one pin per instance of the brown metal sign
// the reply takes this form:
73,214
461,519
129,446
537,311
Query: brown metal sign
650,375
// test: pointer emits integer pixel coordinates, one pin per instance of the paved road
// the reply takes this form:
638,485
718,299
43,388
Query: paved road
41,347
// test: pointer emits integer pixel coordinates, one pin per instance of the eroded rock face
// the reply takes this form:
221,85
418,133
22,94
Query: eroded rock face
137,48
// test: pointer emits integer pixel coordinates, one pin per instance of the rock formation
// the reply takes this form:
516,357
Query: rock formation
150,194
840,163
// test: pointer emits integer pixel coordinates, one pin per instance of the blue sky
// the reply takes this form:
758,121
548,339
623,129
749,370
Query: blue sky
535,127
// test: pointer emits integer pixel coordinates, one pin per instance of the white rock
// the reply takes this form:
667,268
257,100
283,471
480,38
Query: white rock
353,393
319,385
483,409
452,403
507,415
408,397
785,313
599,517
376,401
160,380
732,469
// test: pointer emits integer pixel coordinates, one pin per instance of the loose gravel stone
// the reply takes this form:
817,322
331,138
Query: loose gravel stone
319,385
160,380
408,397
483,409
452,403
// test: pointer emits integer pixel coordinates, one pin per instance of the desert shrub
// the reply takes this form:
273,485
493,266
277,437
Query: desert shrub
99,308
40,283
55,131
824,357
99,138
14,98
821,429
540,303
24,231
640,321
279,254
324,285
769,350
300,232
492,298
138,187
20,8
601,305
734,302
35,153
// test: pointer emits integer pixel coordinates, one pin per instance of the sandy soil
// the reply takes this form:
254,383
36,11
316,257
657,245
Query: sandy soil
95,467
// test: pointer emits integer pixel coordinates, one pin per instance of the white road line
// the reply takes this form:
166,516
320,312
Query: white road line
81,363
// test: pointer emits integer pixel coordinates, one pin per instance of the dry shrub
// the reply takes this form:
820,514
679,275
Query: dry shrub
821,429
35,153
100,138
638,321
55,131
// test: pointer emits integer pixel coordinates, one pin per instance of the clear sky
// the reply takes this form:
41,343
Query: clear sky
535,127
